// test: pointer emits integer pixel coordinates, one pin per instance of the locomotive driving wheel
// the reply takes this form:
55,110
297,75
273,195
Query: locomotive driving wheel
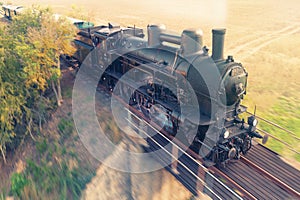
232,153
246,146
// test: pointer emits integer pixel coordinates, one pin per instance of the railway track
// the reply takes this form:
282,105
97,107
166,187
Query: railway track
251,181
186,168
261,181
252,177
263,158
279,180
261,174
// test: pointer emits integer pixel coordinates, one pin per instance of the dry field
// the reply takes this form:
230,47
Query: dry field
263,35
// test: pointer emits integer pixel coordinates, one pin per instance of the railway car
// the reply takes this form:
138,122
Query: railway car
80,24
162,59
10,11
92,37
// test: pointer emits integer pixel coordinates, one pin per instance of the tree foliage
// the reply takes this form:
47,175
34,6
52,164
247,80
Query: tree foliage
30,49
12,96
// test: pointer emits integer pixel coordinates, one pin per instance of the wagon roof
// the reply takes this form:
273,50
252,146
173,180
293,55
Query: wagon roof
12,7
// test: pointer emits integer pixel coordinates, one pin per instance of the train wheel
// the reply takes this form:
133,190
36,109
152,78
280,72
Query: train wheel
246,146
232,153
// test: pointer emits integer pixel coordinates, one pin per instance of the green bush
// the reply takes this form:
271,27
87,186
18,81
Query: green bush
54,177
65,127
41,146
18,182
2,196
67,92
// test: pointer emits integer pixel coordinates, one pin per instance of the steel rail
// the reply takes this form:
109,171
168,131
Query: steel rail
204,168
283,142
174,157
213,169
189,154
192,154
270,176
276,125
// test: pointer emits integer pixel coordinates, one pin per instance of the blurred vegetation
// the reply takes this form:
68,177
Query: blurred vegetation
2,196
30,48
286,113
66,127
18,182
56,173
274,86
110,128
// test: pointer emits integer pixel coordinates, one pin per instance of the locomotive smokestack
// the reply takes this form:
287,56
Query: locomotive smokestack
218,44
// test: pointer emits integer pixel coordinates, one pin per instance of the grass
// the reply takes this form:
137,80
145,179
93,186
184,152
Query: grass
66,126
18,182
2,196
67,92
286,113
41,146
56,173
50,179
108,124
274,88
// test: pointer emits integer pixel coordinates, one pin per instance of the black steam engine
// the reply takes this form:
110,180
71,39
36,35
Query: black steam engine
173,81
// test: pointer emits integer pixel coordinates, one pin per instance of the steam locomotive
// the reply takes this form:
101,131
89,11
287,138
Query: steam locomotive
164,72
173,81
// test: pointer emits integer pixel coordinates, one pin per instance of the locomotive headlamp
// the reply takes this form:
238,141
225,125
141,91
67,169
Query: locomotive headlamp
225,133
255,122
252,121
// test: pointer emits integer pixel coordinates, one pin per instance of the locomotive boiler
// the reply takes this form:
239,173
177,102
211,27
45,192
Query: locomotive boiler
174,81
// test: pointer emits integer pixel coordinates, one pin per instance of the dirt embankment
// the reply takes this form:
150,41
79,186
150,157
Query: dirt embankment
112,184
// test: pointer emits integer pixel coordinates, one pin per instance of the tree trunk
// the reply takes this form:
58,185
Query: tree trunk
29,129
40,122
56,94
59,91
58,82
40,117
3,153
